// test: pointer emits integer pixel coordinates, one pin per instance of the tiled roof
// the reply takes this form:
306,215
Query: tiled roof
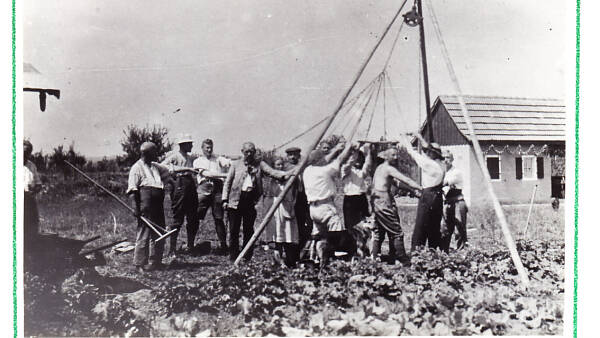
510,118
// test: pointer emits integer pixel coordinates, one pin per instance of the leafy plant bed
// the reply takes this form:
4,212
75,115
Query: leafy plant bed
469,292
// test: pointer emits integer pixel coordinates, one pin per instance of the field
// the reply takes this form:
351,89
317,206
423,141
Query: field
470,292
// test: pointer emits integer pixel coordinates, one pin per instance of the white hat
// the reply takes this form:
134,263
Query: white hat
184,138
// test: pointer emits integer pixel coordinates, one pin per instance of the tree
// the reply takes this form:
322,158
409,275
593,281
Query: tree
134,136
40,160
56,160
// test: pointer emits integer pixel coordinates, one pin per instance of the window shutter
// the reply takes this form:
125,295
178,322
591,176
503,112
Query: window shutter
519,167
540,167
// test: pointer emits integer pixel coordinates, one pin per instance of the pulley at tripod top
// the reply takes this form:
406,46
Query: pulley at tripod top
412,18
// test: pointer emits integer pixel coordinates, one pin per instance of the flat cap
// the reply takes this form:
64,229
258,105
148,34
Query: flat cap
292,150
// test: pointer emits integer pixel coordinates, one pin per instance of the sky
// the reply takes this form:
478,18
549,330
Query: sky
264,71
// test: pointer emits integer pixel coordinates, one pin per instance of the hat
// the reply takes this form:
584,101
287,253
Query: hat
147,146
317,158
185,138
293,150
434,147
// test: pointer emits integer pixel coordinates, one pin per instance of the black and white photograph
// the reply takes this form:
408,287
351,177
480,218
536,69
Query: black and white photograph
295,168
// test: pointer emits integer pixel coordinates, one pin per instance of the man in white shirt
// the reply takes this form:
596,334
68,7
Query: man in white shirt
354,182
319,183
33,184
212,172
429,209
455,208
146,193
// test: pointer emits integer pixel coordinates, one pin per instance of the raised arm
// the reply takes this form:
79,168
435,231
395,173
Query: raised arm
397,175
368,160
422,160
269,171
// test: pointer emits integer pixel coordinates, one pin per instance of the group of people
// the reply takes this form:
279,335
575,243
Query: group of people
307,223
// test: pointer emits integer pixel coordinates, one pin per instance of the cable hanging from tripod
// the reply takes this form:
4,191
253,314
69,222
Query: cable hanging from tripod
364,105
374,107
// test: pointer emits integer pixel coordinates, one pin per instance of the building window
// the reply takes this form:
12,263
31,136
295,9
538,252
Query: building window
529,167
494,167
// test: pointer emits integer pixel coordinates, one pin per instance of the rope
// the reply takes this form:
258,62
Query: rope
348,104
497,207
374,106
362,113
387,61
303,133
384,115
369,87
312,146
395,98
364,106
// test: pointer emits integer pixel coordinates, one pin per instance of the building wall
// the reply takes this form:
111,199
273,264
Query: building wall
509,189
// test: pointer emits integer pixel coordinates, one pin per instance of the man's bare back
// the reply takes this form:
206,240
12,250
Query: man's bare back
384,176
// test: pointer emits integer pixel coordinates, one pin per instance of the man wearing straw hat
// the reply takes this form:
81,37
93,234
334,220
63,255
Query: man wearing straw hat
146,192
429,209
184,199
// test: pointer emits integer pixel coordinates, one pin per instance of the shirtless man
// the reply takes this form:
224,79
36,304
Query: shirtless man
384,206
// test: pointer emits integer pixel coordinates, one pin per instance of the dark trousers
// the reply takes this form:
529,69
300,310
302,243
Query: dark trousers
31,221
244,215
289,251
455,217
356,208
184,205
303,219
151,206
429,216
387,222
214,202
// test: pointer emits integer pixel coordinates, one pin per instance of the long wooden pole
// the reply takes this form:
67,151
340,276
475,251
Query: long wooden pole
304,161
512,248
530,208
425,73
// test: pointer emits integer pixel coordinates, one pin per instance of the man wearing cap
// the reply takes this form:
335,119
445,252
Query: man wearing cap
32,185
301,207
455,208
184,199
429,208
319,178
241,191
384,206
146,193
212,172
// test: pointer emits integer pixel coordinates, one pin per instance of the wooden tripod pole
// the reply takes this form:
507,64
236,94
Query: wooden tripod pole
313,145
510,243
530,208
